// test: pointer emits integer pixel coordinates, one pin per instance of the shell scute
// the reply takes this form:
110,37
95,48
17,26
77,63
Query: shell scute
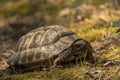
24,58
38,55
30,56
50,37
36,40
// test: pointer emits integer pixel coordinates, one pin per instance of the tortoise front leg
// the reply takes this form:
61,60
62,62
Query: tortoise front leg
56,61
64,56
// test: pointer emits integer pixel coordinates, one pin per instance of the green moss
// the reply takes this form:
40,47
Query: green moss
90,34
59,74
25,7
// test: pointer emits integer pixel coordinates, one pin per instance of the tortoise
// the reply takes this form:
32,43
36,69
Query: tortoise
48,45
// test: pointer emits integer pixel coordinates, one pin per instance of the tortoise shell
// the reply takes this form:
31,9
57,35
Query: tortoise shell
42,44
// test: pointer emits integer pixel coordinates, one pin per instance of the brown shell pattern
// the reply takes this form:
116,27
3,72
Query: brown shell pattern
43,43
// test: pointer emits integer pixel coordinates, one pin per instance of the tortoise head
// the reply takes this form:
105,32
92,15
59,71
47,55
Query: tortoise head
3,65
83,48
82,45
